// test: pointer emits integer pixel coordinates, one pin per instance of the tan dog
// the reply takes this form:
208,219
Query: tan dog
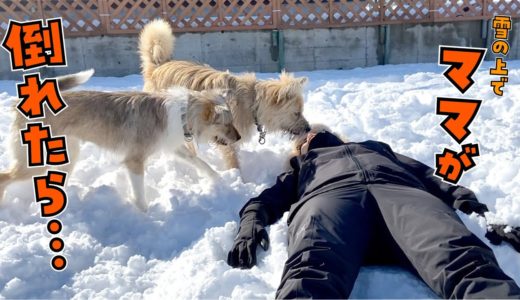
132,124
270,105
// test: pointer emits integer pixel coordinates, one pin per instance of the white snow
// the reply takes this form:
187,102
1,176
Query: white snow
178,249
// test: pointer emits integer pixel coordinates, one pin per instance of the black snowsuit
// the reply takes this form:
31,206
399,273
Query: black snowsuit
357,203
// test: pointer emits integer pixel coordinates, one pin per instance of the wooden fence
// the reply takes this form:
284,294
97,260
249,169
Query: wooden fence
99,17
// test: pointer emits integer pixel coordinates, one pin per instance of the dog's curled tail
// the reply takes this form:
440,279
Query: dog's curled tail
73,80
156,44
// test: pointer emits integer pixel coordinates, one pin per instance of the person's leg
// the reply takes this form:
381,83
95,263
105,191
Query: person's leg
328,238
383,249
448,257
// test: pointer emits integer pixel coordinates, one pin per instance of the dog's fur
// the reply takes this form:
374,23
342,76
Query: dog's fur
275,104
302,138
133,124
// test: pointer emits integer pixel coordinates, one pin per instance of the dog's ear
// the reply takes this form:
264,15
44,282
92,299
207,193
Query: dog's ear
223,96
222,114
218,96
216,113
302,80
287,77
208,114
291,88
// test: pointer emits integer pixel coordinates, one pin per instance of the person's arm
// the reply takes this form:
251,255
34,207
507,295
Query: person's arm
463,199
270,205
259,212
456,196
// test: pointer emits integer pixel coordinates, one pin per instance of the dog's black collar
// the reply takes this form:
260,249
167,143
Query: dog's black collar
188,135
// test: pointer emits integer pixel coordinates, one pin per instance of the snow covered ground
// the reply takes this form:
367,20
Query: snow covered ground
178,249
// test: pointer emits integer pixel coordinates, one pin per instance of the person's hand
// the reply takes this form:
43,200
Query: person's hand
243,254
498,233
469,207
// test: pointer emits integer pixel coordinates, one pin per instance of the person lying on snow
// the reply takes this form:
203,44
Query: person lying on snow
361,203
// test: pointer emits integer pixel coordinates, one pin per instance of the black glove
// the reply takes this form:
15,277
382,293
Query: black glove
496,234
468,207
251,233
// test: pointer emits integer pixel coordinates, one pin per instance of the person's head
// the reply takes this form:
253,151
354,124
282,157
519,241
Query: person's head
319,136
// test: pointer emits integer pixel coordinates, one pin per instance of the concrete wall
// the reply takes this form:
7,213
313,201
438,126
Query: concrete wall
419,43
514,41
118,55
341,48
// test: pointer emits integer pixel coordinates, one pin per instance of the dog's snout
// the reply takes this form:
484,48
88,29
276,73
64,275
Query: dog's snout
237,135
304,128
233,134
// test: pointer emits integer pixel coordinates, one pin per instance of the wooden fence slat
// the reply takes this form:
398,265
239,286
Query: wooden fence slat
103,13
254,14
355,12
97,17
382,7
293,14
461,9
82,17
40,7
163,9
275,13
18,11
220,13
511,8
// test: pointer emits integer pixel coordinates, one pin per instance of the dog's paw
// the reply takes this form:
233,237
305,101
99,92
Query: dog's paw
141,206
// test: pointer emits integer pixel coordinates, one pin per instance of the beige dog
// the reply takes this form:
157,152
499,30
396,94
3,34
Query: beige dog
132,124
267,105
